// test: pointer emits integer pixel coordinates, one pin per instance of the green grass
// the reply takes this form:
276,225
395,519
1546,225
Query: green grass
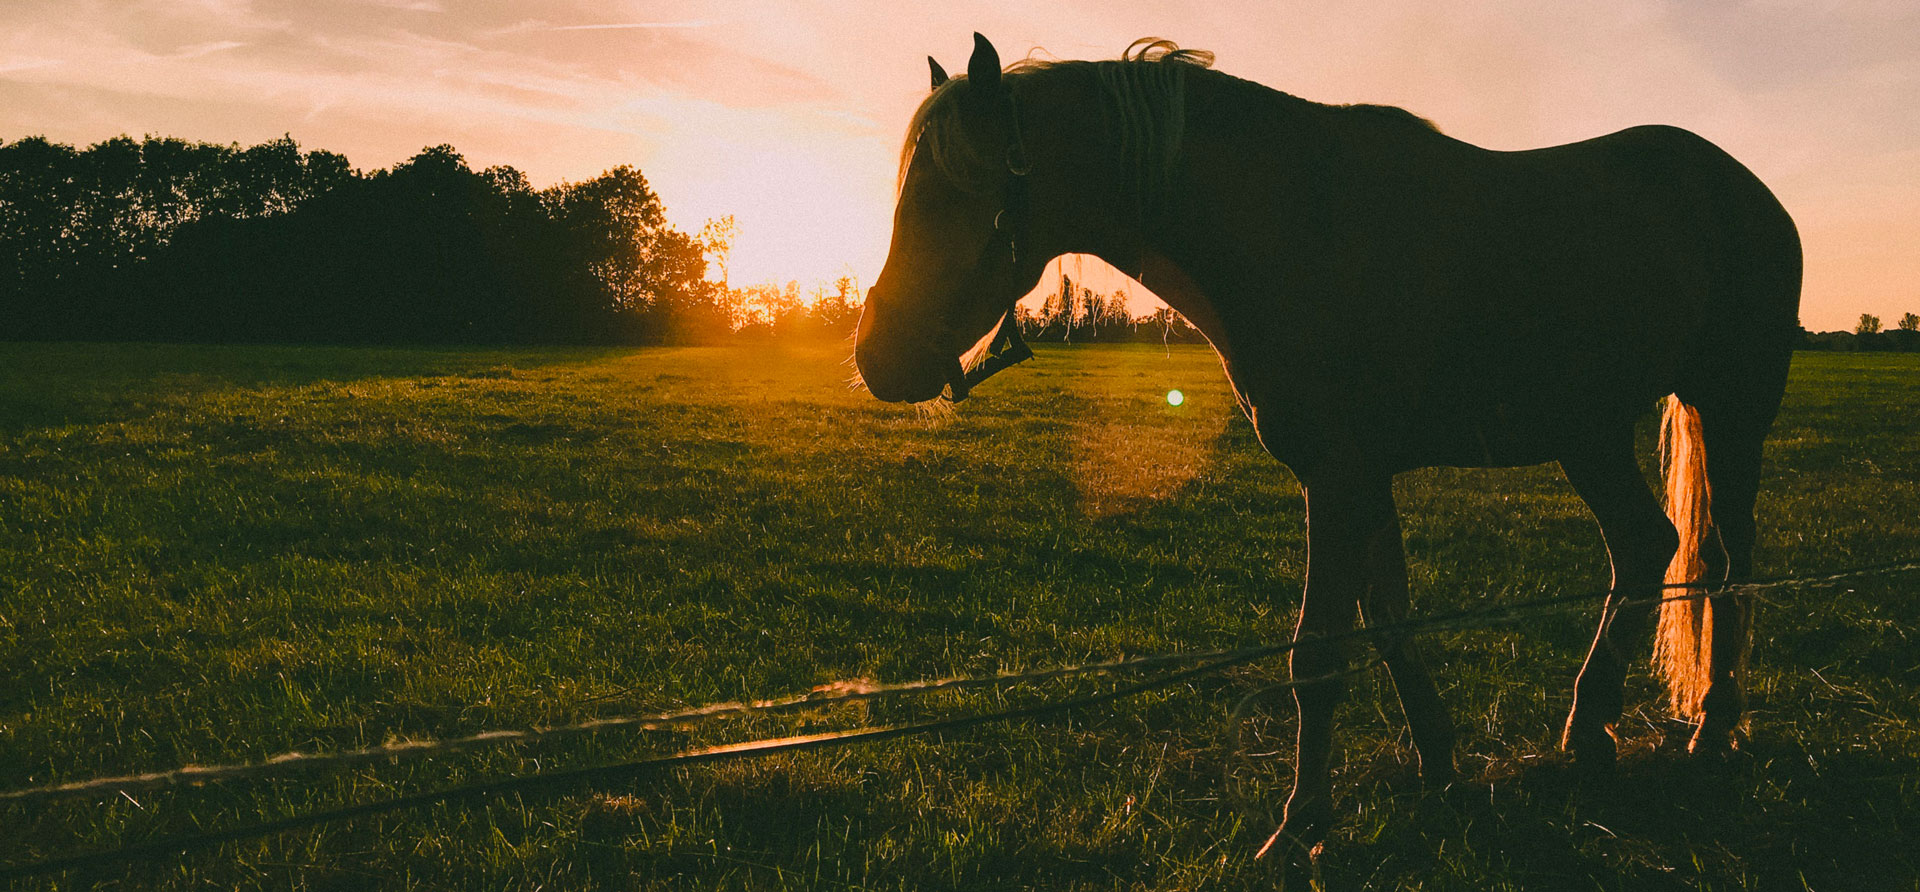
220,554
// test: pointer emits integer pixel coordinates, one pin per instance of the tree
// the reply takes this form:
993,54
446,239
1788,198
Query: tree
1168,326
1050,311
651,272
39,183
835,314
428,252
716,242
1868,324
615,218
271,178
1910,322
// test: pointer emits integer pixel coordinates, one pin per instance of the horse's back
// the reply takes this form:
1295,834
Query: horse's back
1672,190
1638,263
1566,288
1449,304
1717,239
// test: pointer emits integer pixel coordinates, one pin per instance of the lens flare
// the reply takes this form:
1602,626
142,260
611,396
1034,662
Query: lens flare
1175,397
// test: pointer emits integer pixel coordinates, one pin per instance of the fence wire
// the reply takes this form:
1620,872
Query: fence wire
846,691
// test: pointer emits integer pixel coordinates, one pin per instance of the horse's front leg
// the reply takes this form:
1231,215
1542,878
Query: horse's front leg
1386,605
1343,513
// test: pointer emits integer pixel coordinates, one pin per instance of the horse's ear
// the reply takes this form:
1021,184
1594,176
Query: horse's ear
983,70
939,74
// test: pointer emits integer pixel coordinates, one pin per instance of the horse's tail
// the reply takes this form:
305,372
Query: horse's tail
1681,647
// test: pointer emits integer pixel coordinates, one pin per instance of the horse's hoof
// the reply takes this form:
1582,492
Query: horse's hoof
1592,749
1677,736
1710,746
1439,778
1715,740
1715,753
1284,843
1297,862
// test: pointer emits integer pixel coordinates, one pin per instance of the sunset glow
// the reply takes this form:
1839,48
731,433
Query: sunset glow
788,116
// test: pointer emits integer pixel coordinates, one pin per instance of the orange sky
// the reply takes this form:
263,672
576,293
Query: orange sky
788,115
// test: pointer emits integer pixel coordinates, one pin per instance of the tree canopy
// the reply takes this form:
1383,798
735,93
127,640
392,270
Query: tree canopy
166,239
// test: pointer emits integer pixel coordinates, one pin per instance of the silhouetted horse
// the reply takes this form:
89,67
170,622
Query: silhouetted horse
1383,298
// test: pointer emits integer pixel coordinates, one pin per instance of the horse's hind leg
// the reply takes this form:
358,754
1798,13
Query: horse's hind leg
1640,543
1386,604
1733,447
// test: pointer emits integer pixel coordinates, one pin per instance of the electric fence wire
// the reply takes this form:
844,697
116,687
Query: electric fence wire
554,782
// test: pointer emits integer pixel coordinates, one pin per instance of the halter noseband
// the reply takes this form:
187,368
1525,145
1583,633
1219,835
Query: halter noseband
1007,347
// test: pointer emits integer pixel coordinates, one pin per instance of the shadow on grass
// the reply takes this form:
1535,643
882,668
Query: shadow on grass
95,381
1774,817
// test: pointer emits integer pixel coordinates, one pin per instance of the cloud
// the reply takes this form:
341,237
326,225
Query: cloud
633,26
542,26
206,49
25,64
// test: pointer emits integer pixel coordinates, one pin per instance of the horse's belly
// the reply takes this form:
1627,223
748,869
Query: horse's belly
1489,435
1401,428
1484,425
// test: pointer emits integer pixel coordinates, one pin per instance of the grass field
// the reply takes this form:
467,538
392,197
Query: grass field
221,554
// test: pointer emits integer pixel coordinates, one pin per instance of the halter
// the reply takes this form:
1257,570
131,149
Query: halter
1014,204
1010,223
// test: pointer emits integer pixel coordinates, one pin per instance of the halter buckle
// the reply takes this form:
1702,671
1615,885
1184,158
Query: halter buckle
1017,159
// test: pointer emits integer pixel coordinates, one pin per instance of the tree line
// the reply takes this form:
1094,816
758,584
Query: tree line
1074,313
1867,335
165,239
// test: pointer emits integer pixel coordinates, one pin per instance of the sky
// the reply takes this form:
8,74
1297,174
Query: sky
789,116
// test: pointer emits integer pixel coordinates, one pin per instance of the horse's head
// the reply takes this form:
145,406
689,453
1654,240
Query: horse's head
961,252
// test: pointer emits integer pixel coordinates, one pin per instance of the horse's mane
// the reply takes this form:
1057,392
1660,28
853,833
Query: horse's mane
1391,111
1144,96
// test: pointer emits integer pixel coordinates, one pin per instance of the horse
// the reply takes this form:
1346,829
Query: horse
1384,297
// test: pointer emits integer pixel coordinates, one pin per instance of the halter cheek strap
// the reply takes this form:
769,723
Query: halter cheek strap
1007,347
1011,221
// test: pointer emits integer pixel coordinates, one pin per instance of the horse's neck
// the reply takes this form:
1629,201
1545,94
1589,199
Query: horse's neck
1169,282
1150,255
1182,257
1162,246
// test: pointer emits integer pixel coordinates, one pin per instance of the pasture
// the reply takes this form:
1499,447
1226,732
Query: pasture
211,555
